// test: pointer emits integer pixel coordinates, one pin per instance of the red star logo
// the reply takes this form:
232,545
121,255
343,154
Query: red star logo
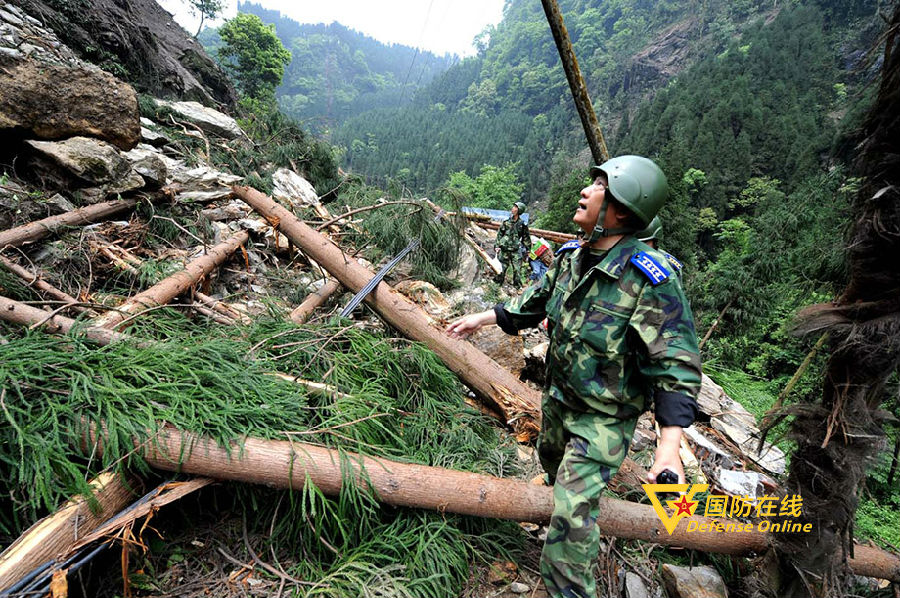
684,506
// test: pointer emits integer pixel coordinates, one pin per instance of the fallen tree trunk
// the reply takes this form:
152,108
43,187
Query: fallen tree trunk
497,268
519,403
35,281
312,301
166,290
550,235
26,315
28,233
59,532
222,308
286,464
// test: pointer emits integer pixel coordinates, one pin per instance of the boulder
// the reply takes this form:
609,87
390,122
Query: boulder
90,160
693,582
634,586
149,165
207,119
46,92
290,187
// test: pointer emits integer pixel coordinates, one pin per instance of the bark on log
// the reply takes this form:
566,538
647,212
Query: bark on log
35,281
519,403
26,315
28,233
59,532
550,235
287,464
312,301
166,290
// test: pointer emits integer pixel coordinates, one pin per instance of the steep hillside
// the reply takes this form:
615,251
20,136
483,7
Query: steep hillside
139,42
337,73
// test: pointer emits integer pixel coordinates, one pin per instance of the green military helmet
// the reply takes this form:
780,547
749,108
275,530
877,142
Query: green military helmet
636,182
652,232
521,207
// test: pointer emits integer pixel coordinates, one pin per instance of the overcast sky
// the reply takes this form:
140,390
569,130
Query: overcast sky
441,26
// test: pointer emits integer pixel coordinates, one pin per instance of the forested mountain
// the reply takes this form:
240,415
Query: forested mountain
511,102
337,73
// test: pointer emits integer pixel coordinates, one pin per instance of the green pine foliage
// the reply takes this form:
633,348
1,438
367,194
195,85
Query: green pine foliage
394,399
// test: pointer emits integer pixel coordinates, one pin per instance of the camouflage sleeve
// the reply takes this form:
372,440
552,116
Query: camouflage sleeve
670,360
528,309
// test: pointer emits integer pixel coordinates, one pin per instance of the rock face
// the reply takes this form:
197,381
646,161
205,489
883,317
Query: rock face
48,93
139,41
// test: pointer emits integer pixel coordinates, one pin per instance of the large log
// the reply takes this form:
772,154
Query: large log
28,233
26,315
312,301
59,532
519,403
166,290
550,235
285,464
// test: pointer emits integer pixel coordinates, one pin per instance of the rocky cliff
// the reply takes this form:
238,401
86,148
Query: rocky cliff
138,41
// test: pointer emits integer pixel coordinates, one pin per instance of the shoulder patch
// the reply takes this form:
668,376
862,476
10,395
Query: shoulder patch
673,260
569,245
655,271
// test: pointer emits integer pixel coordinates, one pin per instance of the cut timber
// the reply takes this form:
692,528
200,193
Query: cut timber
166,290
550,235
35,281
222,308
519,403
303,311
59,532
26,315
497,268
28,233
287,464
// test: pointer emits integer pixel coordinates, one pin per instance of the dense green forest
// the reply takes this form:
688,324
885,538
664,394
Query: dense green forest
337,73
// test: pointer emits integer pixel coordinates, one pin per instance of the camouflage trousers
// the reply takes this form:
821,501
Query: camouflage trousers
510,260
580,452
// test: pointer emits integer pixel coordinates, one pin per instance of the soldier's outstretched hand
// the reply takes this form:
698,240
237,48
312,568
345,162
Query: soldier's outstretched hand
466,325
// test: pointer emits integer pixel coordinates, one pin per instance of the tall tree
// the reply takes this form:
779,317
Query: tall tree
254,55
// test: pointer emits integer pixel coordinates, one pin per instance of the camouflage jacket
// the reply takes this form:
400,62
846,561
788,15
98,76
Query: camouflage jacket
616,338
512,235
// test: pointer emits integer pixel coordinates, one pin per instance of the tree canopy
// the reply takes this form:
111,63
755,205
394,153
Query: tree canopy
254,55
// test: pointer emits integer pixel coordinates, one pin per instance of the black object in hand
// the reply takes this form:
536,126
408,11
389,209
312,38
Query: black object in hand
667,476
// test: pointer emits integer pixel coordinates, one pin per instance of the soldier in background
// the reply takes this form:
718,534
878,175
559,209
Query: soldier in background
621,335
512,242
650,236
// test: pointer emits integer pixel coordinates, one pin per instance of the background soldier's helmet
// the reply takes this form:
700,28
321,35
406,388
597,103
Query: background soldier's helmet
653,231
521,207
636,182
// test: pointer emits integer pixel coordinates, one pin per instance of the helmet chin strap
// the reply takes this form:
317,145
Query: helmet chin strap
600,232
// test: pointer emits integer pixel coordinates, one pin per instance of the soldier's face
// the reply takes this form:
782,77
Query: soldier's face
589,204
514,210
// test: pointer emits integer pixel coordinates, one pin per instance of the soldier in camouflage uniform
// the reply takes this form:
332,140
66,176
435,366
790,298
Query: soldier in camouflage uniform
513,239
621,335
